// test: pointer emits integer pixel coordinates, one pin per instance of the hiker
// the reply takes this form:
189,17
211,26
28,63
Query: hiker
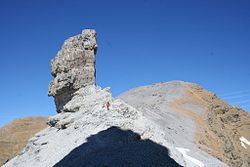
108,105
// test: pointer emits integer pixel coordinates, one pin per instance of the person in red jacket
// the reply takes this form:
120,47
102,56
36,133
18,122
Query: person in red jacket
108,105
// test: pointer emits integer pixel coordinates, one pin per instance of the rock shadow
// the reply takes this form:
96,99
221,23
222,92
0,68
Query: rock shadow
115,147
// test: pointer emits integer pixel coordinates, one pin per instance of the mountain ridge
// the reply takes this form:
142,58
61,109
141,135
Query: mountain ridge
70,130
208,113
181,96
165,124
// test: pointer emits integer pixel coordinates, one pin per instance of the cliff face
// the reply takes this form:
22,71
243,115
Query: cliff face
73,67
211,124
14,136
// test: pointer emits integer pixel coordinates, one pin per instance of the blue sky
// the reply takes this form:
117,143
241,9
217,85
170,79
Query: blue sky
140,42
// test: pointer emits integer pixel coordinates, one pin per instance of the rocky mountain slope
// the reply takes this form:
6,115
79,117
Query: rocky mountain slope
14,136
161,125
196,118
91,135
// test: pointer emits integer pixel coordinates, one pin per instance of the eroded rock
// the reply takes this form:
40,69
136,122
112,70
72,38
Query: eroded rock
73,67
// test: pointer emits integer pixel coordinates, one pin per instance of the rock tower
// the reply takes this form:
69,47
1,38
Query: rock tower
73,67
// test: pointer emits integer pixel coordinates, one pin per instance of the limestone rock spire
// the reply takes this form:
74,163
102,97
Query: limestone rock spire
73,67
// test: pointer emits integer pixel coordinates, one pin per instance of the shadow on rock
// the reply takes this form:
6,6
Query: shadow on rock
118,148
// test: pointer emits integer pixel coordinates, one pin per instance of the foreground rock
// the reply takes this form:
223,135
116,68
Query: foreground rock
195,119
95,136
73,67
14,136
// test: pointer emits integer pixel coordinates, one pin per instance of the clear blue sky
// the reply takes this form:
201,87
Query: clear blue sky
140,42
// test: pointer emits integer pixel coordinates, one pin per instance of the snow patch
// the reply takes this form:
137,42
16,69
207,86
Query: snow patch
184,153
244,140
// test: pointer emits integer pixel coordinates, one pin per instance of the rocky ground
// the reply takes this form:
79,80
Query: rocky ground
197,119
89,134
14,136
168,124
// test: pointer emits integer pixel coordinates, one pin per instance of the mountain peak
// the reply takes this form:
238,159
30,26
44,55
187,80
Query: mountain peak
194,114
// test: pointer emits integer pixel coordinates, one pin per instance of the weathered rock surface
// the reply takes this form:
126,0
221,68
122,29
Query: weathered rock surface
73,67
196,119
226,124
14,136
